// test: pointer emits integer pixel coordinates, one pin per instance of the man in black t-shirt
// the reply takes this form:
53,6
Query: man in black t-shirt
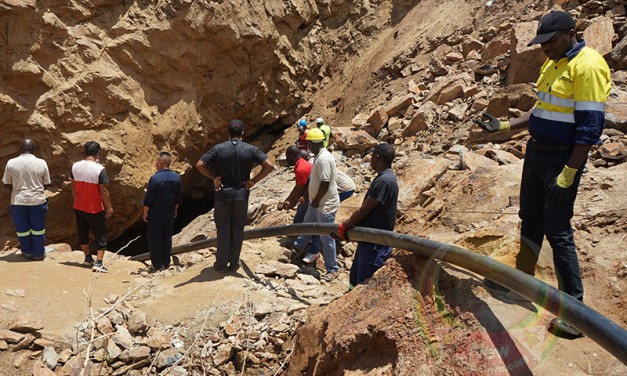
231,162
378,210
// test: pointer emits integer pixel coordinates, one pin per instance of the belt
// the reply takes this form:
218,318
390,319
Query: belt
533,144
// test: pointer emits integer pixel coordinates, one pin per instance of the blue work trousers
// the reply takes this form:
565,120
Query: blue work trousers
368,259
159,233
540,218
30,225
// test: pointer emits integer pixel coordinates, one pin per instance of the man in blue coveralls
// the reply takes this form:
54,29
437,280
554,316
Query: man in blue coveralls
163,197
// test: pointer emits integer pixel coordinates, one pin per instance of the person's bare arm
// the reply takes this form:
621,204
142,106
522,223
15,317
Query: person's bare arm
202,168
146,208
578,156
360,214
520,122
494,124
106,200
266,168
322,189
73,188
291,200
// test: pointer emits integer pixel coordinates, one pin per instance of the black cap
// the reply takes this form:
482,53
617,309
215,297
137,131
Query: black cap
550,24
385,151
236,127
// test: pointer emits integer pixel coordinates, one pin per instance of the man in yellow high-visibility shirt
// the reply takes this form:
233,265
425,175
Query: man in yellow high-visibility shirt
326,130
567,119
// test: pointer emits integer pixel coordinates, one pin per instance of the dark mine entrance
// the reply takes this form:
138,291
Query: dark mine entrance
188,211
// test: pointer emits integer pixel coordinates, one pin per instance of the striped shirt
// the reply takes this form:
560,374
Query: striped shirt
87,176
572,93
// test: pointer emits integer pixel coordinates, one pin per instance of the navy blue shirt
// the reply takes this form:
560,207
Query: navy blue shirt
164,192
384,189
232,161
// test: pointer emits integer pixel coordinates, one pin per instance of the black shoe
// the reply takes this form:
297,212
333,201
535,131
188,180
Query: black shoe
38,258
220,269
234,267
89,261
494,286
562,329
27,256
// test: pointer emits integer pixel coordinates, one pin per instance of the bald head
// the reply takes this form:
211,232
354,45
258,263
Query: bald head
292,155
27,146
292,151
304,154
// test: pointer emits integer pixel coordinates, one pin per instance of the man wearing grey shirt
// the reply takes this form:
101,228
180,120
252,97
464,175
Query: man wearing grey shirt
27,175
324,200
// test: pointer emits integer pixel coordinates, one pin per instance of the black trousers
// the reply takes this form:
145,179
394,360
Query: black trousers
540,218
230,218
160,232
97,223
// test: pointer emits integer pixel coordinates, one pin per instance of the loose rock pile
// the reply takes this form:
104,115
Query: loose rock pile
491,70
126,342
121,339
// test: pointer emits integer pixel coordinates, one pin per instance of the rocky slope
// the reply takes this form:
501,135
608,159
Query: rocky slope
146,76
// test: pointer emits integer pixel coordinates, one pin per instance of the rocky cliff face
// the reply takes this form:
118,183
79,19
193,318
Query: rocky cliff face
143,76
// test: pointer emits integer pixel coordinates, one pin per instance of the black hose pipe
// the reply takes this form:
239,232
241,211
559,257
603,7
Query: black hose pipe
597,327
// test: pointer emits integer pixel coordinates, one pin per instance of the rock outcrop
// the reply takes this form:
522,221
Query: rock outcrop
165,75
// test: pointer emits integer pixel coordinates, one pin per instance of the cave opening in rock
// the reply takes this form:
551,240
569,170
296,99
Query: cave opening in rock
188,211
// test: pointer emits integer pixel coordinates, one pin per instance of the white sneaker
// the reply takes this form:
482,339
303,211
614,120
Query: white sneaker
311,257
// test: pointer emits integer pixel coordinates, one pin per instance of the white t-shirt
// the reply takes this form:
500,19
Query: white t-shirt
324,170
344,182
27,175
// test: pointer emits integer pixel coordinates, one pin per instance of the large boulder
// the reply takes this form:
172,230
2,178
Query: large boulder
599,34
359,120
399,104
616,115
447,88
496,47
619,54
471,44
422,119
525,61
520,96
359,140
376,121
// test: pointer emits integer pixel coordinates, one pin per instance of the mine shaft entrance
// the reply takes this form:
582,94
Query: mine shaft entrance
195,203
188,211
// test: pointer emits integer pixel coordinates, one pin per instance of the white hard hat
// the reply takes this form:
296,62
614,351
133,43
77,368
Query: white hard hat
319,120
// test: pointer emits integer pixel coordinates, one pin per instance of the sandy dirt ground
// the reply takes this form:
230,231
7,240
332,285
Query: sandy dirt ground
54,291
